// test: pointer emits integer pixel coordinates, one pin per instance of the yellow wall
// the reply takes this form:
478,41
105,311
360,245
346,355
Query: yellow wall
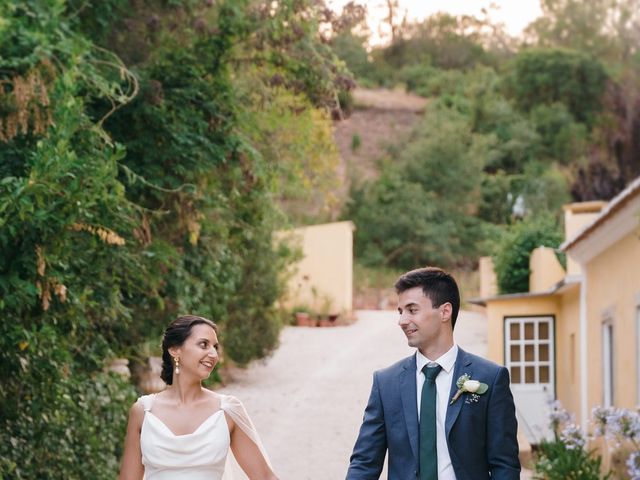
612,292
323,278
565,307
613,285
545,270
576,217
568,351
488,279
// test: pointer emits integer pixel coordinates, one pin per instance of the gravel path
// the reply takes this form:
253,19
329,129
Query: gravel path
307,400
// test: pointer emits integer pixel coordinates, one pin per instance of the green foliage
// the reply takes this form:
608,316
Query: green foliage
73,262
356,142
558,461
409,215
602,28
497,200
351,50
67,422
554,115
511,257
534,81
440,42
294,138
544,189
561,137
127,199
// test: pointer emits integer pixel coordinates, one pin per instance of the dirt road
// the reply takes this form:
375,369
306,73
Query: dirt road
307,400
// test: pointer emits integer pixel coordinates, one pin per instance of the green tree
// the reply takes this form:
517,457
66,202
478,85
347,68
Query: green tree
70,261
548,76
606,29
130,192
512,253
422,208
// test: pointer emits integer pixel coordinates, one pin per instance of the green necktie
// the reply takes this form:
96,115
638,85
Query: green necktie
428,453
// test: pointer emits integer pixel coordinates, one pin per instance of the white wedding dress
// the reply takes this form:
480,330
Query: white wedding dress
201,455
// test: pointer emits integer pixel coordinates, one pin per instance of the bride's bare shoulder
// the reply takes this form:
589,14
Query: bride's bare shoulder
136,414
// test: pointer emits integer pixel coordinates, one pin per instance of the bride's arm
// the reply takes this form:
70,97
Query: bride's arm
249,456
131,467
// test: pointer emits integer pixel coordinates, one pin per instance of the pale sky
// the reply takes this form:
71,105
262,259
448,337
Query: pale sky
515,14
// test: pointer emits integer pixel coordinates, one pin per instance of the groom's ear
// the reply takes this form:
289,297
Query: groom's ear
446,309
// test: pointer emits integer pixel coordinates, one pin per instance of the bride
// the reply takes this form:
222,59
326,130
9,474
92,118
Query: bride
187,431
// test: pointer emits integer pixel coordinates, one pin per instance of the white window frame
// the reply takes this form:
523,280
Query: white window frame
607,362
521,342
638,350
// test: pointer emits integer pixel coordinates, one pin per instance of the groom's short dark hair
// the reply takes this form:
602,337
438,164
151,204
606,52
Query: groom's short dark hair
437,285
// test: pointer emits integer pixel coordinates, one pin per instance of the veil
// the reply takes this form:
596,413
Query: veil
234,408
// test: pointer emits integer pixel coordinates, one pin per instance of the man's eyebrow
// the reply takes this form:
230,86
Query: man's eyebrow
408,305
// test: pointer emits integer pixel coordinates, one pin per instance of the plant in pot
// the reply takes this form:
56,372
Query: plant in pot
302,314
327,315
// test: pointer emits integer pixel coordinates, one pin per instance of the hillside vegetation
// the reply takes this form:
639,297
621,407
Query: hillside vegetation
513,129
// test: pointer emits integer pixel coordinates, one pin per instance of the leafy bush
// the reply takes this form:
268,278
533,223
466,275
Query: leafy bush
421,209
565,457
127,199
535,78
67,423
559,461
513,251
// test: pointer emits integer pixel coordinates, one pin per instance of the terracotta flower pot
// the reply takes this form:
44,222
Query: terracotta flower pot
325,322
303,319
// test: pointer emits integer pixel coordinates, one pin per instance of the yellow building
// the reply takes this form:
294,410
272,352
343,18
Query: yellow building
322,279
575,336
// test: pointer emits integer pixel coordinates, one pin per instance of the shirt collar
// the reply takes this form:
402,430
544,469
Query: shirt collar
446,361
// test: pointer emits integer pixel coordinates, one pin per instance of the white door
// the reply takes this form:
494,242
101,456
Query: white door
530,358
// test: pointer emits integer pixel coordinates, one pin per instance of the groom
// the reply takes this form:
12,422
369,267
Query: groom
433,424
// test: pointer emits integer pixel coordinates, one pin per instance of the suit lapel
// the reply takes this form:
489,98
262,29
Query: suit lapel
409,395
463,365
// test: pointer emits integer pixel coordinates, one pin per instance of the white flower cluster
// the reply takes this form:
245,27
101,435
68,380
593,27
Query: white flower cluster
633,465
621,425
559,416
572,437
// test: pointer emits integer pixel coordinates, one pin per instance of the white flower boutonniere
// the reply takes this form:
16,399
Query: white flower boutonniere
466,385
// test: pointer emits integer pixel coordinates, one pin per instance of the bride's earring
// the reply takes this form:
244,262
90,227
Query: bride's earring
177,365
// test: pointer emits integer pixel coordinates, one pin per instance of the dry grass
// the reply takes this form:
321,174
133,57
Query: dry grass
373,289
382,118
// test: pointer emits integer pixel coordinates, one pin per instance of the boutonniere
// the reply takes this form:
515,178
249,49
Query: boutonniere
466,385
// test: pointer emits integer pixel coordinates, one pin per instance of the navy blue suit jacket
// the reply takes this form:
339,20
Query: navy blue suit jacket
481,436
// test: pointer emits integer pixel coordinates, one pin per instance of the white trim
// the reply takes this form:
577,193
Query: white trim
535,342
532,399
607,363
584,356
630,191
637,309
613,229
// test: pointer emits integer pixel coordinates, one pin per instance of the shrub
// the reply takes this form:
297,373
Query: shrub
513,251
559,461
534,81
119,210
565,457
356,142
411,215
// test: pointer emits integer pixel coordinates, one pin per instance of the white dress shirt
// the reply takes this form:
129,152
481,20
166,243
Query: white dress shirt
443,387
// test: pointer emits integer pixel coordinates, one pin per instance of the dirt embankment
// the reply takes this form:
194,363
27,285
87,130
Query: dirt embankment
381,118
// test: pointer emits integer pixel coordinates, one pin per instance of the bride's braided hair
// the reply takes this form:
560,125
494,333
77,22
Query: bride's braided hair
174,336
